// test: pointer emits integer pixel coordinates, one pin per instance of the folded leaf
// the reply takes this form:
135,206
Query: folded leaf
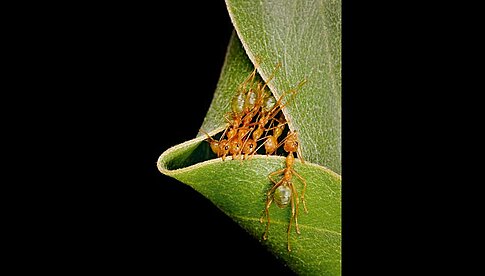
304,36
238,188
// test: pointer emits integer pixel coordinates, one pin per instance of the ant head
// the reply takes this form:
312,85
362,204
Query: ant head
223,147
291,143
234,146
249,146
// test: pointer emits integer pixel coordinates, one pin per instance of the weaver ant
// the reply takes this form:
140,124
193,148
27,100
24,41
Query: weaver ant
219,147
283,191
271,142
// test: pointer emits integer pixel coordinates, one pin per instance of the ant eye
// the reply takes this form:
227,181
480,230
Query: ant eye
251,146
226,147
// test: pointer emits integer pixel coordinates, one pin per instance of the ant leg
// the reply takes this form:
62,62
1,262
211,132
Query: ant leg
256,150
299,155
224,133
274,127
270,176
206,134
279,105
228,120
278,65
250,78
263,214
282,141
268,129
295,198
304,189
269,200
300,84
293,94
214,144
248,134
291,222
271,191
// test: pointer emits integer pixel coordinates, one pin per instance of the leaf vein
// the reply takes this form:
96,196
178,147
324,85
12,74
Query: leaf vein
281,222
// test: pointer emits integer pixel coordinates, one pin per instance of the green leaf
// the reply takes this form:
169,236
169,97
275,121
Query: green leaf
303,36
235,70
239,189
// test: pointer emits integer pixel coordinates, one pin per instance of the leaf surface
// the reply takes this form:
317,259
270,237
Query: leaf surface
305,37
239,190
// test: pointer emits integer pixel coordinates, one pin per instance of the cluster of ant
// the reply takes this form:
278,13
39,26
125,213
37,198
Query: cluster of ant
257,117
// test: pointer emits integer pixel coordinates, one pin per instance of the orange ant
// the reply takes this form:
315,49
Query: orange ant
271,142
283,192
269,112
220,148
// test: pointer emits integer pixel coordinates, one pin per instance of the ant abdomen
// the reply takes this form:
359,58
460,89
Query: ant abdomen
271,144
238,103
269,103
282,195
250,102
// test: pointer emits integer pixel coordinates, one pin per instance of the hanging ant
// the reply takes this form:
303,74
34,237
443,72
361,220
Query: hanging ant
283,191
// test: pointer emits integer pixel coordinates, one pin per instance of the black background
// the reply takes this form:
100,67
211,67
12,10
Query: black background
99,91
130,82
112,86
124,82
